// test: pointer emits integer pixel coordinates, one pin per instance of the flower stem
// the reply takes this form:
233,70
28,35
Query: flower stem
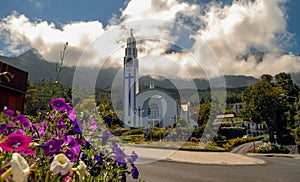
6,174
47,177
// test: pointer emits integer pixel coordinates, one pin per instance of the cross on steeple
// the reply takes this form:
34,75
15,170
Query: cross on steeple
131,32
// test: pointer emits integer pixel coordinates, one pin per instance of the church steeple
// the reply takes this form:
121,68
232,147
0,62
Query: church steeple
131,50
130,82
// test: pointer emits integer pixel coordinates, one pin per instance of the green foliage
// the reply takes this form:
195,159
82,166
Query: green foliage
39,95
133,138
159,133
236,141
214,147
273,149
264,103
139,131
232,132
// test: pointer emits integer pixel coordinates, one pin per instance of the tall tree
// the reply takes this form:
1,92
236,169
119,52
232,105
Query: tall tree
263,101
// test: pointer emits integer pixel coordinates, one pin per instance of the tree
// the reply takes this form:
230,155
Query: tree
39,94
263,101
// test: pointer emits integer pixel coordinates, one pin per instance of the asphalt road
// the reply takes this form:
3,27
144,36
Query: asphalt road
244,148
277,169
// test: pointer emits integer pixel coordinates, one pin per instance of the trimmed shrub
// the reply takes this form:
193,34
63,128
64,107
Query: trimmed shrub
139,131
236,141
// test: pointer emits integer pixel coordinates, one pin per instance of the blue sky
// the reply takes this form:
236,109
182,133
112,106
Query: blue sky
44,24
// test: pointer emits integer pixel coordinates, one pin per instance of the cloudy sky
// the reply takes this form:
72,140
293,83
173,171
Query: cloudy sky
210,37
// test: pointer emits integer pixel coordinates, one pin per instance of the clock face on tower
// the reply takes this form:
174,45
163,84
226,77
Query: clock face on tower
129,62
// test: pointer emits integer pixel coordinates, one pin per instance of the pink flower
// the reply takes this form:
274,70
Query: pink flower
28,152
15,142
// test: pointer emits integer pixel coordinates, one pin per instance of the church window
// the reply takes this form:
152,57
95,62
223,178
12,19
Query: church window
154,111
129,51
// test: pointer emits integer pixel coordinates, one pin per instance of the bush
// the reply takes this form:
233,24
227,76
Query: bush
139,131
159,133
272,148
133,138
232,132
236,141
214,147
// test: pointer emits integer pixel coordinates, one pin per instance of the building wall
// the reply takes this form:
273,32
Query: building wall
168,107
11,99
12,88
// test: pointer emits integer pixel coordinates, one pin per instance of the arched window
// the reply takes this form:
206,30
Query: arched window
153,112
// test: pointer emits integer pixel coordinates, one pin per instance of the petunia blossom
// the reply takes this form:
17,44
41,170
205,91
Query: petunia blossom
19,168
52,147
70,112
9,112
105,137
73,144
93,124
61,164
15,142
58,104
135,173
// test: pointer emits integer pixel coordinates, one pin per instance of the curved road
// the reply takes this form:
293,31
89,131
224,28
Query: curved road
244,148
277,169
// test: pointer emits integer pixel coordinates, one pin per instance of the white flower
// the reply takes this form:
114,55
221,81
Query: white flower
19,168
61,164
81,171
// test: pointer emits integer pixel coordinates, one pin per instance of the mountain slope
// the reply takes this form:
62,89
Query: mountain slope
39,69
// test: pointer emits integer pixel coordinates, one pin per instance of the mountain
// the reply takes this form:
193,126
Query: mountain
39,69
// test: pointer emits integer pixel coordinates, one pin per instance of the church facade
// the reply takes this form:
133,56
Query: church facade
150,108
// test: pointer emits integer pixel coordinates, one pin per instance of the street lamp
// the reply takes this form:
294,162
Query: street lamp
283,95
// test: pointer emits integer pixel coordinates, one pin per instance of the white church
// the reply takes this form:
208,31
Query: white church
152,107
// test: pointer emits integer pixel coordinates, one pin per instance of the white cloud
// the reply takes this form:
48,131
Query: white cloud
229,30
46,38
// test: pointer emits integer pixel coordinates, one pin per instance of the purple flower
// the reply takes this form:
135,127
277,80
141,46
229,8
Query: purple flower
71,155
58,104
107,121
122,163
73,144
69,108
18,118
72,116
105,137
130,160
98,159
77,127
25,122
114,144
9,112
134,156
70,112
52,147
83,156
42,129
15,142
93,124
135,173
60,124
19,131
119,155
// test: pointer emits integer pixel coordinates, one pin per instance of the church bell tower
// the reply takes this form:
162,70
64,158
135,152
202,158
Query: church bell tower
130,82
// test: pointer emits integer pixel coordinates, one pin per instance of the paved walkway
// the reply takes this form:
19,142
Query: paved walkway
148,155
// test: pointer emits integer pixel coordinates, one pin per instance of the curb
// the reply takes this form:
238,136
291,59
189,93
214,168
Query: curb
295,156
172,148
